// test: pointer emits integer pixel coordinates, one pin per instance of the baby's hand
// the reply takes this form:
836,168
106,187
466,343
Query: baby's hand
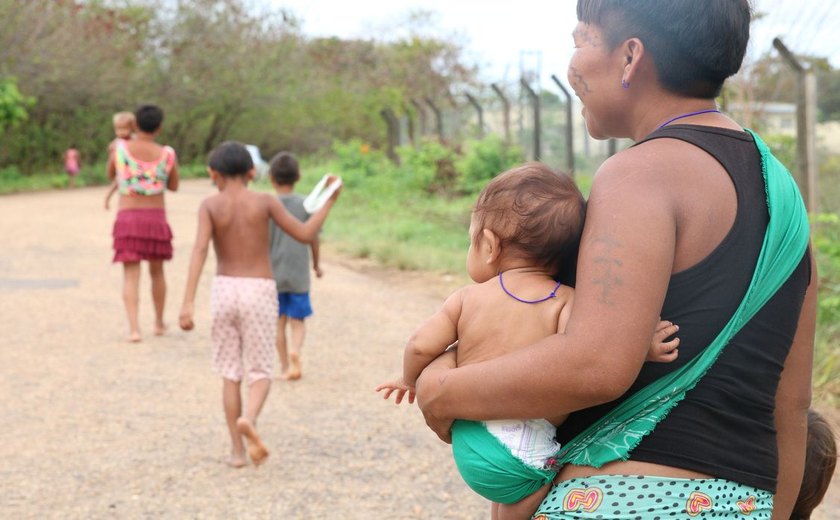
186,318
398,386
660,350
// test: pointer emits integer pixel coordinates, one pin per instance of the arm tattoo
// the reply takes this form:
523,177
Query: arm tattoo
606,274
441,380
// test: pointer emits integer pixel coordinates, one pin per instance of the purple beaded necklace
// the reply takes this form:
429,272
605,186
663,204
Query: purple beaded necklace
708,110
550,296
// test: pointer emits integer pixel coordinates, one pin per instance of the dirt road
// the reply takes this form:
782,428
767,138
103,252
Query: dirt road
99,428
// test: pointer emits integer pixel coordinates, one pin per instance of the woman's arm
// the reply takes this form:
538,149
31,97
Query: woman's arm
793,398
174,173
625,263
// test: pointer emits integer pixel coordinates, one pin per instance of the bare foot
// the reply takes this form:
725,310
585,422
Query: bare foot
236,461
294,372
256,449
160,329
134,337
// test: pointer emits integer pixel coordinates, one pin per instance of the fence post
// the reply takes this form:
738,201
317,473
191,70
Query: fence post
806,102
479,111
421,113
506,110
535,103
438,118
570,141
393,133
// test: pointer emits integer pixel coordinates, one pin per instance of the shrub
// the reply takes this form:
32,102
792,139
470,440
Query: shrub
429,167
358,161
484,159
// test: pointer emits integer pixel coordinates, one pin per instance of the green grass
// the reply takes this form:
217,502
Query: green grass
13,181
397,228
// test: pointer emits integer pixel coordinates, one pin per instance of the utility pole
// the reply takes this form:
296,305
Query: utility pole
806,109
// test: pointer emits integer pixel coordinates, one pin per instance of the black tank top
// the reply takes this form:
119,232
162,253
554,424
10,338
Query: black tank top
725,426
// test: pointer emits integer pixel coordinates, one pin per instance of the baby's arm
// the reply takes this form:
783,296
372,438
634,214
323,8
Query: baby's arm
304,232
427,343
432,338
111,167
662,351
199,256
110,193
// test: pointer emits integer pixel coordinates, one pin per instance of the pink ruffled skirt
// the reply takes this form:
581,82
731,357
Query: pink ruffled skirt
142,234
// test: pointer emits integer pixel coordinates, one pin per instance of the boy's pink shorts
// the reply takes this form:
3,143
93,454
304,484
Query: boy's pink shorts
244,329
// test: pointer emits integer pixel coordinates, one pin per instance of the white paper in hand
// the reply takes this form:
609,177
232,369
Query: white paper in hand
320,194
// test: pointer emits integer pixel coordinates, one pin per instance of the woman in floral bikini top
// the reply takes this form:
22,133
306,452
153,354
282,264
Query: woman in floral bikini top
137,177
143,170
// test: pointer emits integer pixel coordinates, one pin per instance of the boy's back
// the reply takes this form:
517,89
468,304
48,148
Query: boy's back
239,218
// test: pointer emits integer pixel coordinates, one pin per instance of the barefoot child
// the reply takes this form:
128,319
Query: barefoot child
72,164
524,230
125,126
290,264
243,301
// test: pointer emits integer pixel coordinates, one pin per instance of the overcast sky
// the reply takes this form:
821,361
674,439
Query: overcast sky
501,37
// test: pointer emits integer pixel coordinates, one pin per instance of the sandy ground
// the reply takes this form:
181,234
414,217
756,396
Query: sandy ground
99,428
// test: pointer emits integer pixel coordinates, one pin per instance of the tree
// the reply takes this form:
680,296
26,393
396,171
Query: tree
13,104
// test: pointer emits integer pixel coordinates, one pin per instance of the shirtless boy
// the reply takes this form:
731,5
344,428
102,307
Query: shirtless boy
243,302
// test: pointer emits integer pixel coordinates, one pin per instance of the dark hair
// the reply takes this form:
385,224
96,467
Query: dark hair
820,460
149,118
695,45
284,169
231,159
537,214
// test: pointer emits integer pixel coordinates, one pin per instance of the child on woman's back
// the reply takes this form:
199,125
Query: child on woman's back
524,231
243,302
125,126
820,461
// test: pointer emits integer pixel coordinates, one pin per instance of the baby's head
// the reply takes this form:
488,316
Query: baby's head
284,169
231,159
537,215
820,460
125,124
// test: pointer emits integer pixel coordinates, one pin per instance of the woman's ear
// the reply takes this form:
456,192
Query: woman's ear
491,246
632,52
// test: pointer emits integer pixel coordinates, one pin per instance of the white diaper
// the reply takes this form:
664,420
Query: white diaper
531,441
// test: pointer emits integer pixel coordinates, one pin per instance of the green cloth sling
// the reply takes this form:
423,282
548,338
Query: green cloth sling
615,435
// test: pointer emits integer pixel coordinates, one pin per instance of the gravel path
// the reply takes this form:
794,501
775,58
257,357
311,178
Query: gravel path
99,428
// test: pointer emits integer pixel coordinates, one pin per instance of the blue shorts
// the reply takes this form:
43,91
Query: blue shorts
294,305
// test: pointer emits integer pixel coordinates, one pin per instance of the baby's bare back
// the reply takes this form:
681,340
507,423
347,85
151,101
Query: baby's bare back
240,233
493,324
